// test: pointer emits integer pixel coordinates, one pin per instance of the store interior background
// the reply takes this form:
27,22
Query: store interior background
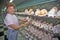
21,5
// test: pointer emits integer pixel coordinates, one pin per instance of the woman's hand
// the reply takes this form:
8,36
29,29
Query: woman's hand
27,23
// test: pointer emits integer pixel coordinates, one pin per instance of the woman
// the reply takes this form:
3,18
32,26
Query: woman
12,23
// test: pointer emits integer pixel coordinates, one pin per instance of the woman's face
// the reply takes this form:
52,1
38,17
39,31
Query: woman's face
10,10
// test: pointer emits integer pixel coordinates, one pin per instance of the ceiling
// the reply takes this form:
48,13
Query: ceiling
17,2
28,3
21,3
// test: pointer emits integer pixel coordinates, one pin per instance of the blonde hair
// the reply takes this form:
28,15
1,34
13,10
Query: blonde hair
10,4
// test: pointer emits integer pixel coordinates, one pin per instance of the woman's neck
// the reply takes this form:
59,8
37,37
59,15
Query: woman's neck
11,13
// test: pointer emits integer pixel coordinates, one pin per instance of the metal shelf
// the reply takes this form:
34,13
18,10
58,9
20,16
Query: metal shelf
45,18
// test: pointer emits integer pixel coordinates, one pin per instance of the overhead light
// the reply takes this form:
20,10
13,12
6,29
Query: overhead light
11,1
